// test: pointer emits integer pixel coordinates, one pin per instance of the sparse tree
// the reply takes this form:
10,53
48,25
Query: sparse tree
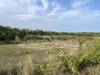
17,39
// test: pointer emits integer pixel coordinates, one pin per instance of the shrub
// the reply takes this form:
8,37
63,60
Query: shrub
38,70
69,63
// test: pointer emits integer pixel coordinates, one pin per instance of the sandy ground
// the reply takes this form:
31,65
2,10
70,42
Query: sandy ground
70,46
38,50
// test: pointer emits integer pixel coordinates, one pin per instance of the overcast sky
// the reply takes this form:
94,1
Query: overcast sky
56,15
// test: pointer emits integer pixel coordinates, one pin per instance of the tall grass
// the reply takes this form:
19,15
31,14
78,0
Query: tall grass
86,60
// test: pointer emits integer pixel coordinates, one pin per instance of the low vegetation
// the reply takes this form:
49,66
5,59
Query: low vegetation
71,54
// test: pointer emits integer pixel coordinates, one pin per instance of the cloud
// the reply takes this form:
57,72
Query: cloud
45,4
55,10
70,14
29,7
78,3
48,13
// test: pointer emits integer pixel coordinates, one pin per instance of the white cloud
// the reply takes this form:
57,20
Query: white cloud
91,15
50,12
19,7
55,10
45,4
71,13
78,3
32,9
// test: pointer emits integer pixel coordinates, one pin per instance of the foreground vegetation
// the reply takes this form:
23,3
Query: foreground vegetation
60,54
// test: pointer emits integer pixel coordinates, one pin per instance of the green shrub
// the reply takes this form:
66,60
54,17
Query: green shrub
38,70
69,63
88,57
3,72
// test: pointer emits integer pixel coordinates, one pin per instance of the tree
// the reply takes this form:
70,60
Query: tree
17,39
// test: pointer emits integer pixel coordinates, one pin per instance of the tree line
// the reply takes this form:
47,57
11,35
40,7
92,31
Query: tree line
8,34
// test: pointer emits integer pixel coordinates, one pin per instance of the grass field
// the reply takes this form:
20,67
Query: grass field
69,57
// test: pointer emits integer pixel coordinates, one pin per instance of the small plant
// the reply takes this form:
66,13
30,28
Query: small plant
3,72
14,71
69,63
38,70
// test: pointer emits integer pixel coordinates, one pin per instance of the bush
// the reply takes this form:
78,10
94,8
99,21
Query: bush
38,70
69,63
87,58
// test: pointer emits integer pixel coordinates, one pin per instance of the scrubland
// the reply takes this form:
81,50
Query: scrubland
79,56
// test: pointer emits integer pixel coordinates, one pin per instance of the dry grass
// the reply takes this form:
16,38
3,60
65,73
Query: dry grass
50,58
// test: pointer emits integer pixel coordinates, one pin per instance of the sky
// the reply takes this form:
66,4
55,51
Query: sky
52,15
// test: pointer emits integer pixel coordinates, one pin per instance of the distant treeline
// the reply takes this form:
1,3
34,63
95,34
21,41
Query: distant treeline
8,34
